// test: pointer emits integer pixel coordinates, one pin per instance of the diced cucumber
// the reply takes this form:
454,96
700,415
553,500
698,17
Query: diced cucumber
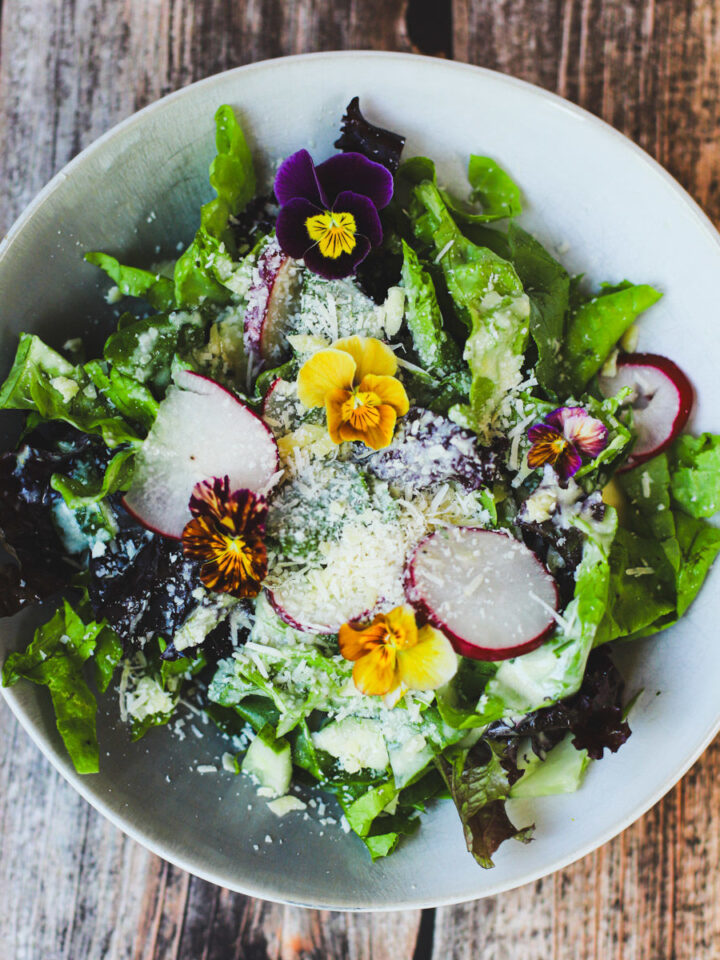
269,761
562,771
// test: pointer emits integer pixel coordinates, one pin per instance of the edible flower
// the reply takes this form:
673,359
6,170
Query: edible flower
391,652
563,437
329,214
226,536
354,380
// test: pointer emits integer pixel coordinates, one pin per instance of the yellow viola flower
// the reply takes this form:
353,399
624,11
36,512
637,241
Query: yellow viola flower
391,652
354,380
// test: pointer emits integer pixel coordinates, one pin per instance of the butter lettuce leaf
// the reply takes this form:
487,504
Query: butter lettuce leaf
696,474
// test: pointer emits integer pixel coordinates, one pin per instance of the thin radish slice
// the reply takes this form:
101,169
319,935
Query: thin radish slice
486,591
201,431
269,301
661,401
298,610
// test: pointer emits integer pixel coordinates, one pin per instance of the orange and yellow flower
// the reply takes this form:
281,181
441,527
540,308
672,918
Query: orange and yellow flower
226,536
354,380
391,652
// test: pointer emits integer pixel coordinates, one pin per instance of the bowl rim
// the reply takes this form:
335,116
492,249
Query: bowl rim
82,785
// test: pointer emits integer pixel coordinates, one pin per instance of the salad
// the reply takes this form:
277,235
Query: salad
366,478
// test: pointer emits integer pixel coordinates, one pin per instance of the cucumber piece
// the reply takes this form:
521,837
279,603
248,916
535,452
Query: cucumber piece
269,761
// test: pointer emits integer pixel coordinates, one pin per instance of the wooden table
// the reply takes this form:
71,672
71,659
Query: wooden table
71,885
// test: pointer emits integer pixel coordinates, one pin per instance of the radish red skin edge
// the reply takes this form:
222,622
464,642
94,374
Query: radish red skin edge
460,644
685,401
200,384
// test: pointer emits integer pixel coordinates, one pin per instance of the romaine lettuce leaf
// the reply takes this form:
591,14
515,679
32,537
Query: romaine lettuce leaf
547,283
595,327
661,555
42,380
159,291
438,354
561,771
78,493
490,299
54,659
199,270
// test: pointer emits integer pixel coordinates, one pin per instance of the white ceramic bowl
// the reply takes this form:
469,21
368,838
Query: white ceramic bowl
588,190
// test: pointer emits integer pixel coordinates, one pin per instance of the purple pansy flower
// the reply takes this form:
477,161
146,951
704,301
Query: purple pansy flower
563,437
329,213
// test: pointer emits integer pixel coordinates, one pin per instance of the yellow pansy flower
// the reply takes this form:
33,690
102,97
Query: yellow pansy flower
354,380
391,652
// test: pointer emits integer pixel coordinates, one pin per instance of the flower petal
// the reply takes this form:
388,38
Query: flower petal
401,623
209,497
334,403
376,435
370,355
290,228
367,220
353,171
342,266
587,433
325,371
389,390
355,640
558,417
230,564
568,463
297,177
375,674
429,664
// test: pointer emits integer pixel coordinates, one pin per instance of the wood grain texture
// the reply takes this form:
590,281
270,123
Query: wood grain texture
73,887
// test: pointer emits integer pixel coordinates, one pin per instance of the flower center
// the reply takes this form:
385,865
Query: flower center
396,638
558,446
333,232
361,409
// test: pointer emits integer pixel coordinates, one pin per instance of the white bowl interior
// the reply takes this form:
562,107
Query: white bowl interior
135,193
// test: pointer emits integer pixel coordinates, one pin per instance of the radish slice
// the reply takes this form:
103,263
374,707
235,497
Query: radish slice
298,610
486,591
661,401
269,301
201,431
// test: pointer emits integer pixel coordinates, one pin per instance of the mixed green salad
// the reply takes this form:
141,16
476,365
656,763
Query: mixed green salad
370,479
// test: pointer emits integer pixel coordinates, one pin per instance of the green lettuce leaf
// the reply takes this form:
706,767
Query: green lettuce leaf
595,327
439,355
547,283
199,270
489,298
79,493
159,291
492,188
55,659
41,380
660,557
143,350
479,787
696,474
561,771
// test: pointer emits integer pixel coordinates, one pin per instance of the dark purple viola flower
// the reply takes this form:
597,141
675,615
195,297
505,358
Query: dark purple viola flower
564,435
329,213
